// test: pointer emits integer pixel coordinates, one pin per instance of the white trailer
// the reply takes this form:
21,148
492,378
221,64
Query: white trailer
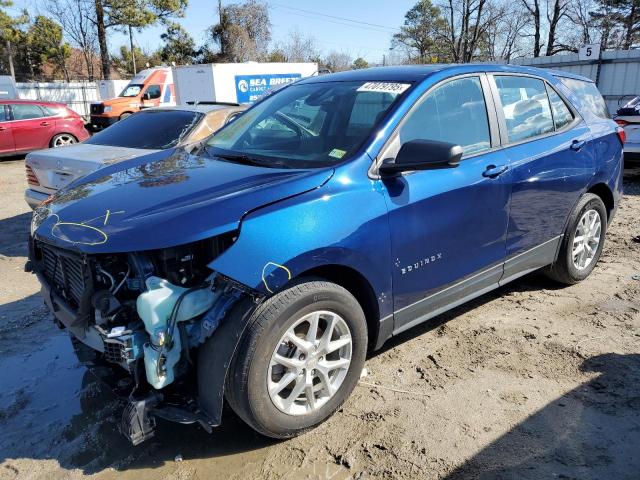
111,88
235,82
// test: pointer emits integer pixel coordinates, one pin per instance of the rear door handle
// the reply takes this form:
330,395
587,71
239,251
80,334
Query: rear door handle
578,144
2,129
492,171
45,124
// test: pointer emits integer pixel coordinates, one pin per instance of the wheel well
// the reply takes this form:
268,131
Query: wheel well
605,194
359,287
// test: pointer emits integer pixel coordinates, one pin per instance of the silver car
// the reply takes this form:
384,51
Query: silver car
145,132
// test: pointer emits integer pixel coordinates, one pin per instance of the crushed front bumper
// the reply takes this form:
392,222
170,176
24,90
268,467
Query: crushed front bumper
181,401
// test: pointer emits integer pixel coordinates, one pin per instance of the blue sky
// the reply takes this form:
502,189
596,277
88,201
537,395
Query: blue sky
367,41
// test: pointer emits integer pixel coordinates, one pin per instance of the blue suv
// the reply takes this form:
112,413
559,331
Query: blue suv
260,265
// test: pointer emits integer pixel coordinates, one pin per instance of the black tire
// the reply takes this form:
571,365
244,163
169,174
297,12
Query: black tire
125,115
563,269
246,386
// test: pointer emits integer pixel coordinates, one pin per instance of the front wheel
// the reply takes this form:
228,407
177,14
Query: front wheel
299,360
582,242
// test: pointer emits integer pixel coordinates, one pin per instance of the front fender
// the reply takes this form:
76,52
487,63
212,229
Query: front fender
341,223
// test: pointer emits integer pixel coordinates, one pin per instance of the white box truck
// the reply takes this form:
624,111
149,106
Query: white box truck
111,88
234,82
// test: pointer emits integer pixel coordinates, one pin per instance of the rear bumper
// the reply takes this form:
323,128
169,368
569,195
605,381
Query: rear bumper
34,198
99,121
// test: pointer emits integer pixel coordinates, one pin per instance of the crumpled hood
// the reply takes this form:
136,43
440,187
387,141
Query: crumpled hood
163,199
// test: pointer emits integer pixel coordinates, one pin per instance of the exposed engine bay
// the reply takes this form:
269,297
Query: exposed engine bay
147,312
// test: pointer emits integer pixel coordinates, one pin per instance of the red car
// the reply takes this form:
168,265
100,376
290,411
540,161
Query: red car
27,125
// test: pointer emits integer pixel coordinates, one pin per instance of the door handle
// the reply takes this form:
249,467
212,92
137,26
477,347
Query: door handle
492,171
45,124
2,129
576,145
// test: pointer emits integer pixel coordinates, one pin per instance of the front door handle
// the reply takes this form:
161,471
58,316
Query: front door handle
578,144
2,129
492,171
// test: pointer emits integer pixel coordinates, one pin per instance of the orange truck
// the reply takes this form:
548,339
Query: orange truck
152,87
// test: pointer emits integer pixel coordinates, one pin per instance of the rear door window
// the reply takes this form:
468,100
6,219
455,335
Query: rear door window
26,111
454,112
525,106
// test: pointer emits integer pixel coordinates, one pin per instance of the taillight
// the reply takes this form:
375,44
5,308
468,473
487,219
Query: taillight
622,123
31,177
621,135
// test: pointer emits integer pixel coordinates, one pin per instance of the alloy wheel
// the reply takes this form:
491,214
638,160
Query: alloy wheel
586,239
63,139
309,363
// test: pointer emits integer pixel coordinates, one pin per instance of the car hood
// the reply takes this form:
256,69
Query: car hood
163,199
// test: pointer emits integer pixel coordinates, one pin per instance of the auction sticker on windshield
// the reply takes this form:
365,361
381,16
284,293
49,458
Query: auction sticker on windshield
384,87
337,153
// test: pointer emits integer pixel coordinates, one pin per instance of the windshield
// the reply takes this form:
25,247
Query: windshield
307,125
131,90
157,130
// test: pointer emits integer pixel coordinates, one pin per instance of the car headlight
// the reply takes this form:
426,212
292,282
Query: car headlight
107,109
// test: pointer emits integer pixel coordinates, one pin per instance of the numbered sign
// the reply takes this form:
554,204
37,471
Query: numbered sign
589,52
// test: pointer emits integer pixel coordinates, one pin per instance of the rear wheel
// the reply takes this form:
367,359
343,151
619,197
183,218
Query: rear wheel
299,359
63,139
582,242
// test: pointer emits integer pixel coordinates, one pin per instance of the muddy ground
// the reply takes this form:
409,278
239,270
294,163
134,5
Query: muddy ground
531,382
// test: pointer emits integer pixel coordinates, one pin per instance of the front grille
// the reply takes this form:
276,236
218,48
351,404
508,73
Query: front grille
65,272
97,108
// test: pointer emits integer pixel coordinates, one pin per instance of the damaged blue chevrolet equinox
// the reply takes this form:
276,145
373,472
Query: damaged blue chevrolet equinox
260,265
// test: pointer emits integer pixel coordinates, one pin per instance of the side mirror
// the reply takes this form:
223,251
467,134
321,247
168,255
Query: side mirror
423,155
146,96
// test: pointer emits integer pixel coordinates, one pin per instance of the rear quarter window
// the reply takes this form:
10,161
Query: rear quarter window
156,130
590,102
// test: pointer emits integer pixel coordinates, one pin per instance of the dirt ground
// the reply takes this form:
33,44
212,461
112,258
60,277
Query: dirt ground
532,381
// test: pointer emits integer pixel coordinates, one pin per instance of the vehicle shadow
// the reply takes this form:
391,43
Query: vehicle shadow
14,235
631,181
10,158
591,432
